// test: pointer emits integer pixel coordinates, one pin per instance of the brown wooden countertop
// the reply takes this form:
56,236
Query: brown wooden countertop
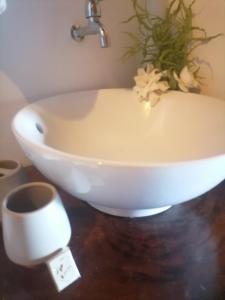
179,254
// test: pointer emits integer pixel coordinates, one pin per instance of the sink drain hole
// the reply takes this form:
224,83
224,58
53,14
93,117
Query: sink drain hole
39,128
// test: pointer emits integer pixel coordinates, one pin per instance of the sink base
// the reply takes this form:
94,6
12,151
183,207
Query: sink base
130,213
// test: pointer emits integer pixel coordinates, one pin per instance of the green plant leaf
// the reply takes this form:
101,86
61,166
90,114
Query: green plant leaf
166,42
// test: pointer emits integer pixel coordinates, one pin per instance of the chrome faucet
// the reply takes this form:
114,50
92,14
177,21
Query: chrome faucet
93,15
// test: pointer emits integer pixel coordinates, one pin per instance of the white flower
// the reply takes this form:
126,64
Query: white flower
186,81
149,86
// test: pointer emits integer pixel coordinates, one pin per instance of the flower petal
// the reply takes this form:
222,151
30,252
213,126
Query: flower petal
186,76
163,86
141,71
153,98
182,86
176,76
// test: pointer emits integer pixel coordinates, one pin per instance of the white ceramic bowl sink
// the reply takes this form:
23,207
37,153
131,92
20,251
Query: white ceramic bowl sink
109,149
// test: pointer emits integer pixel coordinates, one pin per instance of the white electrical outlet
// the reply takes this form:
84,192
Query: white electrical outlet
63,269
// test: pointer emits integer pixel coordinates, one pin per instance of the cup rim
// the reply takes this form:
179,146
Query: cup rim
23,187
12,171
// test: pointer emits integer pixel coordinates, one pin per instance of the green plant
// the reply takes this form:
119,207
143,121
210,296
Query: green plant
167,42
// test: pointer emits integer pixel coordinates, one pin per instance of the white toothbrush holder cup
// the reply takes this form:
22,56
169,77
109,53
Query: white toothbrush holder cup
35,224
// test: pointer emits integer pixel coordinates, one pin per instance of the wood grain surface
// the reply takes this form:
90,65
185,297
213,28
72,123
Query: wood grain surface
179,254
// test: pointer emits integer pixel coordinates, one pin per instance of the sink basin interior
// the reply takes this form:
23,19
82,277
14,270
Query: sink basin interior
113,125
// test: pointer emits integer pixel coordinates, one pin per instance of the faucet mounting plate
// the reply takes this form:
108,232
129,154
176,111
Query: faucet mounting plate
75,33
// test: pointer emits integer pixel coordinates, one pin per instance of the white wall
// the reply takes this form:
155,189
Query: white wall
38,58
211,16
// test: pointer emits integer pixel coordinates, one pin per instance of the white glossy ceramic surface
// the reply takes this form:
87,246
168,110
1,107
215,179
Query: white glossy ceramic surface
31,236
109,149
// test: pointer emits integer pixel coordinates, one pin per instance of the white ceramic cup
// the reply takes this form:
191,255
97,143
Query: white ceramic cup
11,175
35,224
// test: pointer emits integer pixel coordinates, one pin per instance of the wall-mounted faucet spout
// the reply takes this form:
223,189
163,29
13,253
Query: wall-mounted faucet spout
94,26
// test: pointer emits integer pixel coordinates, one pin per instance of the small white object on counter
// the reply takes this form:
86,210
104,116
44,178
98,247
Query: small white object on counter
35,224
63,269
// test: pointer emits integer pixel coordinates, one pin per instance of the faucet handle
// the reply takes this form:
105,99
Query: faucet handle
93,9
